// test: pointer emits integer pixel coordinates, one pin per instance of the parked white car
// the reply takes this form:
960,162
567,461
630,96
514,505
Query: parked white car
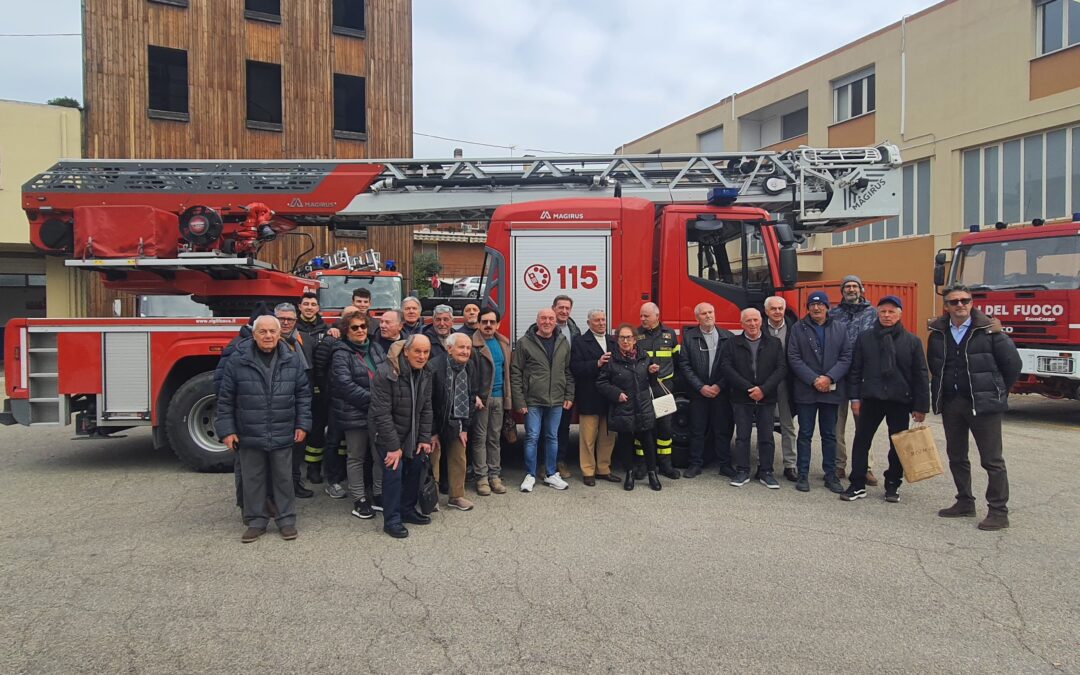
467,287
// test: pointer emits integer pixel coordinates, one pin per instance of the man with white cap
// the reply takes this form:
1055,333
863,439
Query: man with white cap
856,315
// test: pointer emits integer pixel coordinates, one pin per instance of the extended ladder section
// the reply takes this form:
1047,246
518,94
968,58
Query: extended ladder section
820,189
825,189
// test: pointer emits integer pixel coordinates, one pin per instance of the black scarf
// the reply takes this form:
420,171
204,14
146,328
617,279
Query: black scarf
886,338
457,381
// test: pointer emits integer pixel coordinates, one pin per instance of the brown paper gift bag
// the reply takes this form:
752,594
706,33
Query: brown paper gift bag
918,453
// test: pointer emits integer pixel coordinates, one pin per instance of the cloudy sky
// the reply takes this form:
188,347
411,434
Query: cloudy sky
528,76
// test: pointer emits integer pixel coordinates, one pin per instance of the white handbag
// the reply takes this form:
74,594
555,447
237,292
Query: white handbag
664,405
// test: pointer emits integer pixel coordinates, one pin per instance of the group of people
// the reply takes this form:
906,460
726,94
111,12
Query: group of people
368,404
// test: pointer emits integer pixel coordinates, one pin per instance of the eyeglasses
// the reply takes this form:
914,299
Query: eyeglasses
358,327
488,322
626,337
284,320
816,304
956,302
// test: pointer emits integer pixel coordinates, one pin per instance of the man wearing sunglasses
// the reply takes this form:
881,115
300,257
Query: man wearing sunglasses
973,365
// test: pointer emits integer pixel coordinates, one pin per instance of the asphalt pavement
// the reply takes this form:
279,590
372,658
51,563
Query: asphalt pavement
117,559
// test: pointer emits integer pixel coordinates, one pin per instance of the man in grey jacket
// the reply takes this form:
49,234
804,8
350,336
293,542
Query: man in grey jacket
263,408
856,315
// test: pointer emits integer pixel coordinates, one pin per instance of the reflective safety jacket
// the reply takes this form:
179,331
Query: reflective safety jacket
661,345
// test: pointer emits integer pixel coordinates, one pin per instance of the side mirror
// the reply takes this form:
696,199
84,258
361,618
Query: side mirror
117,307
940,259
789,266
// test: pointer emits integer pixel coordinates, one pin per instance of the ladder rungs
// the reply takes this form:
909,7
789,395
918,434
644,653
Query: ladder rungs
42,350
53,375
54,399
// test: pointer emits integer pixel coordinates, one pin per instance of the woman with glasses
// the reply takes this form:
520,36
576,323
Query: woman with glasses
352,365
626,381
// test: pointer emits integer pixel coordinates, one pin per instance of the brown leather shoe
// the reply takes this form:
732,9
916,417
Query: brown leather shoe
871,479
589,480
288,533
497,486
994,520
958,510
251,534
564,470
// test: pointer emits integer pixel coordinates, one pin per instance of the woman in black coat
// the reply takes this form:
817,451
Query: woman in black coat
626,381
353,361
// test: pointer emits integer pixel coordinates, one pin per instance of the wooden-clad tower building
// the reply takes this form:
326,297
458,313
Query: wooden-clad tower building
251,79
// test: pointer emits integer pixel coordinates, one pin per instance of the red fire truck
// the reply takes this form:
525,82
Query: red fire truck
1029,278
610,231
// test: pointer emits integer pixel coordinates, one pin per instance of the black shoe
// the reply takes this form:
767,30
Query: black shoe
693,472
362,509
654,481
791,475
609,477
301,491
668,471
767,479
416,518
314,473
803,484
833,483
396,531
892,496
376,503
639,472
628,484
994,520
959,510
727,471
741,478
852,493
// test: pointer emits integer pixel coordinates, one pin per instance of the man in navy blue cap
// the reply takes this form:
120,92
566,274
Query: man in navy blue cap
820,356
888,380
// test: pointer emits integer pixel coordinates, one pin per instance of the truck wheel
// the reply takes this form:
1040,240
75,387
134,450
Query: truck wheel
189,423
680,432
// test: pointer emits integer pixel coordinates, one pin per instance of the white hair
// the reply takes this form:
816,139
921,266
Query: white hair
775,298
743,314
593,312
454,338
411,299
267,317
701,305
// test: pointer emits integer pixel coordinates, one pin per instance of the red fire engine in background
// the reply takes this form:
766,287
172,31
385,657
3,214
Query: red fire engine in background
1029,278
612,232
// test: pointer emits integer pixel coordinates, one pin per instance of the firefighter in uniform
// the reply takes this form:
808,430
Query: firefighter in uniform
311,330
661,345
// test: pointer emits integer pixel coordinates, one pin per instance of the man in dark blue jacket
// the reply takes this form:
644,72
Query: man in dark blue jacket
820,356
710,406
263,408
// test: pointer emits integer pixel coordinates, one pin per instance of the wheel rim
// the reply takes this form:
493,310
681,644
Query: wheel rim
200,424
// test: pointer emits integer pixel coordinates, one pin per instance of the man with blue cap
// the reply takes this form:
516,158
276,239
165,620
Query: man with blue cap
888,380
819,354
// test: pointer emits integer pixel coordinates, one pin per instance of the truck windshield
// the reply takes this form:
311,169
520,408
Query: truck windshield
170,306
385,290
729,252
1048,263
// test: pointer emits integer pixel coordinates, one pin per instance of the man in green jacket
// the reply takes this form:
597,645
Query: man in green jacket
542,388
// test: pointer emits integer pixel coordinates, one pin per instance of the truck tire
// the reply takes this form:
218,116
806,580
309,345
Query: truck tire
189,423
680,432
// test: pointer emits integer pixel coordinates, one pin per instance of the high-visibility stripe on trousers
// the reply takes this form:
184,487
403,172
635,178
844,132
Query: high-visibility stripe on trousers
663,446
313,455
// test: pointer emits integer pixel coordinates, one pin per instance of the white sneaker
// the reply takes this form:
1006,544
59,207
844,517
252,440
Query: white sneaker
556,481
528,483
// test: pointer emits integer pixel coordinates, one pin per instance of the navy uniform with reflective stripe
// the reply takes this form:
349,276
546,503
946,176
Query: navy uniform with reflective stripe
661,344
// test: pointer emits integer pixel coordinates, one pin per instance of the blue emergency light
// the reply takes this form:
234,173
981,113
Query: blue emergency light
722,196
973,228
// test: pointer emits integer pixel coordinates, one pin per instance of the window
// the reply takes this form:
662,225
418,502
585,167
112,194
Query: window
264,96
711,140
1036,176
914,218
1059,24
350,112
263,10
1049,263
349,17
719,252
794,124
854,95
167,79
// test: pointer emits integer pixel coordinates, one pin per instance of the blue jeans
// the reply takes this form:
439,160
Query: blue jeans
826,417
542,420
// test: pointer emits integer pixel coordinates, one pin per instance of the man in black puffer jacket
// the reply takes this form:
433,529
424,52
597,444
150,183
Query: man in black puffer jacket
753,365
263,408
400,415
315,330
973,365
888,380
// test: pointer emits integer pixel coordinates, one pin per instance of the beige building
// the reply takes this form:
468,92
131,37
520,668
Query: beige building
981,96
33,137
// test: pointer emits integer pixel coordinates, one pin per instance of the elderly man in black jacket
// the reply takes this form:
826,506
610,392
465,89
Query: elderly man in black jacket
754,365
263,408
588,354
401,416
888,380
710,408
973,365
